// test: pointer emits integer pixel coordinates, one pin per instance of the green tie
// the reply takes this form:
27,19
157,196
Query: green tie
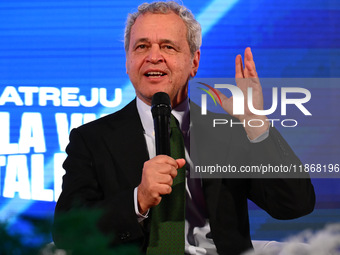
167,218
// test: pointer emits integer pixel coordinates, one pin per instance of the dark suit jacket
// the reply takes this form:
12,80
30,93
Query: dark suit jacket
105,162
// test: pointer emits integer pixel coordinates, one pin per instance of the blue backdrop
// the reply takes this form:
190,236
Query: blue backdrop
62,63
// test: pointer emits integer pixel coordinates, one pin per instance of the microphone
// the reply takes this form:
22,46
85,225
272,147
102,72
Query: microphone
161,111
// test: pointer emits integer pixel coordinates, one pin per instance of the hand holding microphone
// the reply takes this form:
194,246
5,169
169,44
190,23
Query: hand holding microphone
158,172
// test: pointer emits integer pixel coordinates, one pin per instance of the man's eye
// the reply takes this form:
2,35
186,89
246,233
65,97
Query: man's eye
169,47
141,46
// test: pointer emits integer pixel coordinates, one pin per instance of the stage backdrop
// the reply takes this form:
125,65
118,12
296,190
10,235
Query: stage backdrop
62,64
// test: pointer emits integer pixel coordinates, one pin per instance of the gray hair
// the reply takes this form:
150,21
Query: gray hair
194,34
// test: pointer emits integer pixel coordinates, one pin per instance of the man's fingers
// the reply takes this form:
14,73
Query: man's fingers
226,103
180,162
250,68
163,168
164,189
239,67
250,71
163,179
164,159
248,55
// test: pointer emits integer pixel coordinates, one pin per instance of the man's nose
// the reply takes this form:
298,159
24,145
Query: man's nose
155,55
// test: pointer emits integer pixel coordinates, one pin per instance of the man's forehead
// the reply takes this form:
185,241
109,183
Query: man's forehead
150,25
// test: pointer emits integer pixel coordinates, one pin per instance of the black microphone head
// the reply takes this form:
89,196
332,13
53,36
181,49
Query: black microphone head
160,98
160,104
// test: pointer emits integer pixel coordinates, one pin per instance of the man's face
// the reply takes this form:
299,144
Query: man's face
159,57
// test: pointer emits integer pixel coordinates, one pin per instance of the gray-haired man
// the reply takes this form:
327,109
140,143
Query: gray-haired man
112,164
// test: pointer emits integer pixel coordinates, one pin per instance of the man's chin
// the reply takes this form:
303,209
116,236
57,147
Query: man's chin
159,89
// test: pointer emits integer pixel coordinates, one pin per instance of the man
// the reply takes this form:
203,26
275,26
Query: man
111,162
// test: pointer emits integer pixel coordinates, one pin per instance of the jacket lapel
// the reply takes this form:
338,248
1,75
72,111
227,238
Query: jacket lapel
127,143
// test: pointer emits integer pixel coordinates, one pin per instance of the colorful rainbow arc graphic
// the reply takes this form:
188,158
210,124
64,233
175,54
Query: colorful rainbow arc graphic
209,93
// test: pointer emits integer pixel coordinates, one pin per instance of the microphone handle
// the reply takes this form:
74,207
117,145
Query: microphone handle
162,134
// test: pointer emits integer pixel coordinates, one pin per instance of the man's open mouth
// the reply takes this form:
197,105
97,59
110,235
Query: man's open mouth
154,74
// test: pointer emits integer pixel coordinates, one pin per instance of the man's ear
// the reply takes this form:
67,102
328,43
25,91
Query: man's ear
126,69
195,63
